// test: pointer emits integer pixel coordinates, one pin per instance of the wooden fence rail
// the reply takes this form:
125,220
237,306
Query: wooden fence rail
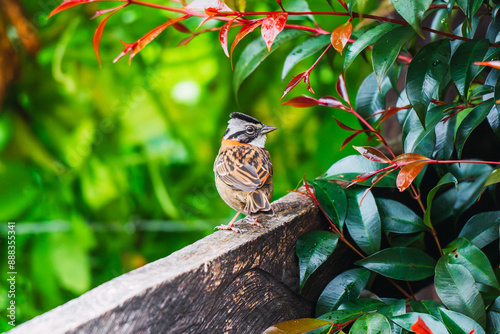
224,283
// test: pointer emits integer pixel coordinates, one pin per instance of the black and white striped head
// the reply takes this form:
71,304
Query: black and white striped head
247,130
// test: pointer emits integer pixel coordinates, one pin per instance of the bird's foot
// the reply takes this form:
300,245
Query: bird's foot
229,227
254,221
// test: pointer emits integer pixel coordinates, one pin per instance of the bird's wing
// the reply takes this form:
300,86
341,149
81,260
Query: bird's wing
247,170
237,175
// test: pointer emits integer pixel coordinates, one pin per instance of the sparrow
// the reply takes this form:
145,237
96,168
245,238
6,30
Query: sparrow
243,169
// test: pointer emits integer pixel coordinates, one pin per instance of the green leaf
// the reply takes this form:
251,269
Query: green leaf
387,48
408,319
416,138
462,67
341,316
470,122
412,11
348,168
470,178
346,286
373,323
332,199
426,306
304,50
368,38
493,317
457,323
298,326
362,304
482,229
371,99
457,290
462,251
398,218
425,72
401,263
493,178
446,179
363,220
255,53
397,307
313,249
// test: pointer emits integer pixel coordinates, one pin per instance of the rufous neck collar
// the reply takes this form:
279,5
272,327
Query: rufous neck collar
230,142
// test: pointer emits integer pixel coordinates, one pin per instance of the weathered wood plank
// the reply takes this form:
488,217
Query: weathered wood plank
224,283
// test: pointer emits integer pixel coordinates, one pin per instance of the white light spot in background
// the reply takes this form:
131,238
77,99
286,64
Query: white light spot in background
186,92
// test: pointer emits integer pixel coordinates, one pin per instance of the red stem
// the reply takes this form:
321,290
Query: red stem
375,132
222,17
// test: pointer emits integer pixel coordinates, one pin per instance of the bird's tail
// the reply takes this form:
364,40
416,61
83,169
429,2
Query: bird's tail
258,203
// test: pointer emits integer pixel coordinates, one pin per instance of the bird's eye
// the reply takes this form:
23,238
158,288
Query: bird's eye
250,130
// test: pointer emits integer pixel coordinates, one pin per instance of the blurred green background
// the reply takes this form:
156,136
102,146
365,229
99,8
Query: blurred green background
106,169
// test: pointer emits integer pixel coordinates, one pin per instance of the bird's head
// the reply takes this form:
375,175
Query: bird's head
246,129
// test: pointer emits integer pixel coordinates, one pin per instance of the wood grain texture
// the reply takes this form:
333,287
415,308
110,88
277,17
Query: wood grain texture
224,283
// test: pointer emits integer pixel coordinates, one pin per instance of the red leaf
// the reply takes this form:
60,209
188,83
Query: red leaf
343,126
245,30
349,138
341,89
493,63
408,173
134,48
365,176
406,157
181,27
211,7
302,102
330,101
224,30
372,154
389,112
96,41
295,81
340,36
70,3
104,11
472,331
272,25
187,40
419,327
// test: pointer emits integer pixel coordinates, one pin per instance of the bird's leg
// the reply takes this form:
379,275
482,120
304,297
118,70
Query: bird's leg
230,226
253,221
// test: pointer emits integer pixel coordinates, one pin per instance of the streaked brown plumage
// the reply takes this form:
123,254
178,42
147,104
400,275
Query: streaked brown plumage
243,169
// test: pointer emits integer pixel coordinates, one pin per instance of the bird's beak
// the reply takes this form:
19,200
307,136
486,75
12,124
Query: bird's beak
267,129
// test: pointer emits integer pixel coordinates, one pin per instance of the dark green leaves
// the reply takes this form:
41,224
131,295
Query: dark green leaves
482,228
363,220
372,323
312,250
348,168
412,11
255,53
456,288
448,178
304,50
332,199
346,286
470,122
386,50
462,67
398,218
426,71
368,38
400,263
